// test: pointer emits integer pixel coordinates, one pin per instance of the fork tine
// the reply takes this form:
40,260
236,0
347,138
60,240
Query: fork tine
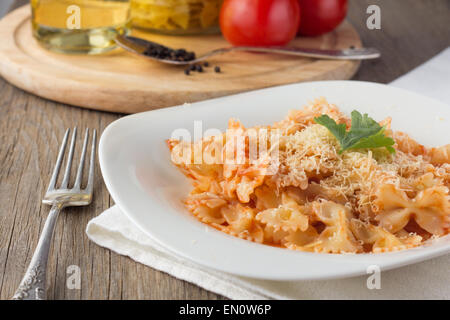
65,181
90,184
52,183
79,177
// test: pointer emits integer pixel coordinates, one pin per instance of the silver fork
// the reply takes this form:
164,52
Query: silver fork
32,286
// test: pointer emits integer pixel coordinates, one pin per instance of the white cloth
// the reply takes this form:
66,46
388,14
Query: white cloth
426,280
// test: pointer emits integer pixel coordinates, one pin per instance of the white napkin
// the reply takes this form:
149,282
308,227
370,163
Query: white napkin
426,280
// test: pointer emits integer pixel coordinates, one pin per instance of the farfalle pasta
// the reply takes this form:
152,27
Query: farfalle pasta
289,185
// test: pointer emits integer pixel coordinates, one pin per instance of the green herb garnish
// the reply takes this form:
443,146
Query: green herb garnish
365,133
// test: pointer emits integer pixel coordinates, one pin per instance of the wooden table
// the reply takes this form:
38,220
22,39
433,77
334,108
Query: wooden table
31,129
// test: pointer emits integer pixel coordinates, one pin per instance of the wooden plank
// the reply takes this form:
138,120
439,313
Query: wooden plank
17,4
411,33
5,6
31,129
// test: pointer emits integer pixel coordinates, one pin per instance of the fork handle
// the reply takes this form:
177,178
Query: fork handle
32,286
345,54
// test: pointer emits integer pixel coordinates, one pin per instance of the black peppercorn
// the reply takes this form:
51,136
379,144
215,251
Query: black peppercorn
199,68
187,72
217,69
189,56
206,64
162,52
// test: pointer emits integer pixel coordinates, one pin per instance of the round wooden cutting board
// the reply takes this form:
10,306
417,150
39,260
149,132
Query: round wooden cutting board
122,82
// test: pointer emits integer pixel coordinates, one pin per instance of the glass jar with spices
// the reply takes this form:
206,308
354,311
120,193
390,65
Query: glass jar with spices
177,17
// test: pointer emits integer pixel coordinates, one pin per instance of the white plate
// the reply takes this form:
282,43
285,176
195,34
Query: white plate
135,163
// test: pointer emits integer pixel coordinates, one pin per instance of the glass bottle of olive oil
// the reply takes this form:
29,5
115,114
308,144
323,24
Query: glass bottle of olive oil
79,26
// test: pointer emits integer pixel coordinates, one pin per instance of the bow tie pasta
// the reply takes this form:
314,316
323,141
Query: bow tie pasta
289,185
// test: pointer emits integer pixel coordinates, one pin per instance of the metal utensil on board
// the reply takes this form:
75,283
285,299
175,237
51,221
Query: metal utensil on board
139,46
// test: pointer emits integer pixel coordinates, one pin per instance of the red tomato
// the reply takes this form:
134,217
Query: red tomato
321,16
259,22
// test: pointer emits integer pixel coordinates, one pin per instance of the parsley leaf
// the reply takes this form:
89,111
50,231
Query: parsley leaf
365,133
